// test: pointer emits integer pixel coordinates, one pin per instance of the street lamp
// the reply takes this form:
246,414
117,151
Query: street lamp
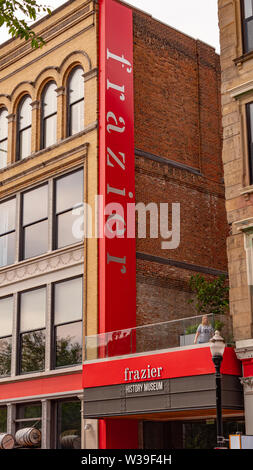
217,350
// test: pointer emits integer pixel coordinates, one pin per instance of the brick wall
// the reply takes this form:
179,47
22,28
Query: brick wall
177,118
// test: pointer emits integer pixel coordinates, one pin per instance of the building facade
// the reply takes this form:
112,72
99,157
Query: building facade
56,293
236,38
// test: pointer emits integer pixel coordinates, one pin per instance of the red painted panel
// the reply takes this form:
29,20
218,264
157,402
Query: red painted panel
117,263
118,434
247,367
45,386
117,254
184,363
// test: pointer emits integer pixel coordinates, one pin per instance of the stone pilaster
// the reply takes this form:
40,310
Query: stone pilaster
244,352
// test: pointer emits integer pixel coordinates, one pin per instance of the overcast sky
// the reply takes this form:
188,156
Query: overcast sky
197,18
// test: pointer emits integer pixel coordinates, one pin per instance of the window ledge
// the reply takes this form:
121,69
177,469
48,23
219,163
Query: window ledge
243,58
58,144
43,257
42,375
246,190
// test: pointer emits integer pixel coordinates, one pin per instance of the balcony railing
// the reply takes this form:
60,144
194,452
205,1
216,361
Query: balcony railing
153,337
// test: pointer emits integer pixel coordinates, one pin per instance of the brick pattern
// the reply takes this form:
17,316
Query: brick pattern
177,117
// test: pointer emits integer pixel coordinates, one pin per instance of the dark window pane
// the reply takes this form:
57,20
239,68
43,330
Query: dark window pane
68,301
5,356
36,239
69,425
33,351
32,310
248,10
50,130
249,34
25,143
35,205
3,419
68,344
250,107
7,249
6,316
65,230
77,117
7,216
31,412
69,191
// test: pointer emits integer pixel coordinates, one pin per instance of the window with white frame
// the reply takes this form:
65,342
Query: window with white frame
3,137
24,128
6,325
7,232
49,115
75,98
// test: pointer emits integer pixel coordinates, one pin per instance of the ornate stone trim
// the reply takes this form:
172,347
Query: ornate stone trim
45,264
239,90
247,382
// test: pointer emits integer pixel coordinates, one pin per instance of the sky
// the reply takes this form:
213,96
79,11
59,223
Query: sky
197,18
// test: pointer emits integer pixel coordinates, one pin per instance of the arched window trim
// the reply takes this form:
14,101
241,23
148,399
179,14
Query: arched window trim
19,131
44,118
70,105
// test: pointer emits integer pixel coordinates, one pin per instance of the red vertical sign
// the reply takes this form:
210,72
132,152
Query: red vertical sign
117,251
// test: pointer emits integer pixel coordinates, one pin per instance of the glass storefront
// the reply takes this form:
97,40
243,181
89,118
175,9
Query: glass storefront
3,419
66,424
187,434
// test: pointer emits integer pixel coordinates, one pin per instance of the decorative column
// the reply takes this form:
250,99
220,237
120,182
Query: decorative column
11,155
35,138
61,113
45,424
11,416
244,352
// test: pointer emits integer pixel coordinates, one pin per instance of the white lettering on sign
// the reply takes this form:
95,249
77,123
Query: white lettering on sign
121,59
144,387
140,374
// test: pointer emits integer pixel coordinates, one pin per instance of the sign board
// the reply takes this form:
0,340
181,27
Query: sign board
235,441
144,387
116,202
247,442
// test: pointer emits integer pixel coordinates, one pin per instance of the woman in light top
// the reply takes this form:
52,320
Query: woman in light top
204,332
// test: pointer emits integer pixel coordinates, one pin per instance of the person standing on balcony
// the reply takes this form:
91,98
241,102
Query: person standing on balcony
204,332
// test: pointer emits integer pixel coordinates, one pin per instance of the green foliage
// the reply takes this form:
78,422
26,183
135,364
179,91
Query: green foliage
218,325
210,296
10,11
191,329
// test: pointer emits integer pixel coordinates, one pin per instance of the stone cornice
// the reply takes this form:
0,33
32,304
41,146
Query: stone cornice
244,224
244,349
44,264
62,24
241,89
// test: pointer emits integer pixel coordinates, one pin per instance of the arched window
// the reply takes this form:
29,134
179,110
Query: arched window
49,115
75,117
3,137
24,128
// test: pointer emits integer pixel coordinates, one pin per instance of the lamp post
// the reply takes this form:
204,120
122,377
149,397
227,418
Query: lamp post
217,350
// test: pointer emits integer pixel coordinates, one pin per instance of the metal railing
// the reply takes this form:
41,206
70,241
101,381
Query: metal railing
153,337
